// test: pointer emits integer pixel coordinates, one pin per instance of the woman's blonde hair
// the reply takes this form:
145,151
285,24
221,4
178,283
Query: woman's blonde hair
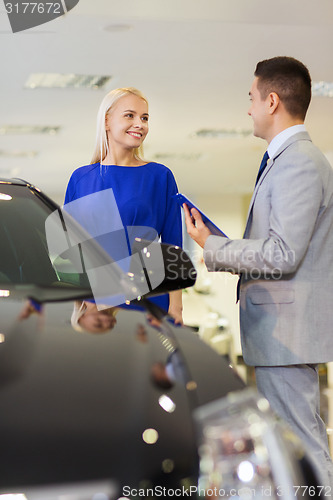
101,143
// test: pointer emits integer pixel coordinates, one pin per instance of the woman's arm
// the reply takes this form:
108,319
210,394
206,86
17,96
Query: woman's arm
176,306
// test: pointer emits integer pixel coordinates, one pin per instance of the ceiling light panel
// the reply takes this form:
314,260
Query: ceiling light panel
178,156
17,154
322,89
117,28
65,81
28,129
221,133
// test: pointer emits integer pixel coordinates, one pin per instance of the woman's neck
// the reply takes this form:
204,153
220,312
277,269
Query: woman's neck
123,158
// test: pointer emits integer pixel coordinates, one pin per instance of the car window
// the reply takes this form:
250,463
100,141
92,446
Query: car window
24,255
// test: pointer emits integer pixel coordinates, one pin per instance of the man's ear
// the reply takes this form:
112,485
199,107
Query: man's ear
273,102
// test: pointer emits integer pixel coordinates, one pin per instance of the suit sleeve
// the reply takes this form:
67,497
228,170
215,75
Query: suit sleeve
292,207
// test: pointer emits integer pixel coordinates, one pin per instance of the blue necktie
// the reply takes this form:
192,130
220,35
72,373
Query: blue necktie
262,167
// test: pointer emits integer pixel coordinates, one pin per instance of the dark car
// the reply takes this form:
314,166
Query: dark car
129,404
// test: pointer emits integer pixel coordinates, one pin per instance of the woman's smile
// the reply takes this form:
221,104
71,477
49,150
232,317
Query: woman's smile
134,134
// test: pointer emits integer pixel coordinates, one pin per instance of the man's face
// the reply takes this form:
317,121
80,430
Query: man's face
259,111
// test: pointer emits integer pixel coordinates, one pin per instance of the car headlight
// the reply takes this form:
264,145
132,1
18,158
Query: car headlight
245,452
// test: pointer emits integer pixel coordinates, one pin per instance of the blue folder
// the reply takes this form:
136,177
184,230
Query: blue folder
181,198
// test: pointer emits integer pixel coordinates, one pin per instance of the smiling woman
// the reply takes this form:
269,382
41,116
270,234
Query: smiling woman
126,107
143,191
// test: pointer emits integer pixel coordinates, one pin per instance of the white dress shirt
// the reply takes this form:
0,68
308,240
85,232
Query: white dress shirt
279,139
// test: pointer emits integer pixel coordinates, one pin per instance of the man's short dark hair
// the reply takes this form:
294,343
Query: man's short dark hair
289,79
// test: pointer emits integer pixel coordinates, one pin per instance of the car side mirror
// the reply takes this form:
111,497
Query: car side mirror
179,271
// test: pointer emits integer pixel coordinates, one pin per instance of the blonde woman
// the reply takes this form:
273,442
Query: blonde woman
87,318
143,190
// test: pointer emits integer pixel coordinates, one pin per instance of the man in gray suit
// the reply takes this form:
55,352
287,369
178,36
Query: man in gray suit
285,260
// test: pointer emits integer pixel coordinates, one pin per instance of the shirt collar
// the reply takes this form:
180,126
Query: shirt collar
280,138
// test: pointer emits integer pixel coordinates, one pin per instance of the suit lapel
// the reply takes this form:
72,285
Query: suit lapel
270,163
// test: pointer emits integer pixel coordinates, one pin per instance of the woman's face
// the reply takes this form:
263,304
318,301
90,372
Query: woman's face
126,122
96,321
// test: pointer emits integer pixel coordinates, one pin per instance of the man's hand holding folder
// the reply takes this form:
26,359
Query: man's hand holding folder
196,228
199,226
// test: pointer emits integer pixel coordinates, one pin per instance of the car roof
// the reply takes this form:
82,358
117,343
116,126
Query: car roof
13,181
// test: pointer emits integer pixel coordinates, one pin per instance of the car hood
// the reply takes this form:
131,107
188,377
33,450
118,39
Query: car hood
80,406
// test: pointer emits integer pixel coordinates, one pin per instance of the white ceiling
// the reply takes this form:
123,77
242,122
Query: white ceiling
193,59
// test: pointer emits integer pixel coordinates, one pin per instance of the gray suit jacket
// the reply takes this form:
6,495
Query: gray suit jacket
285,260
